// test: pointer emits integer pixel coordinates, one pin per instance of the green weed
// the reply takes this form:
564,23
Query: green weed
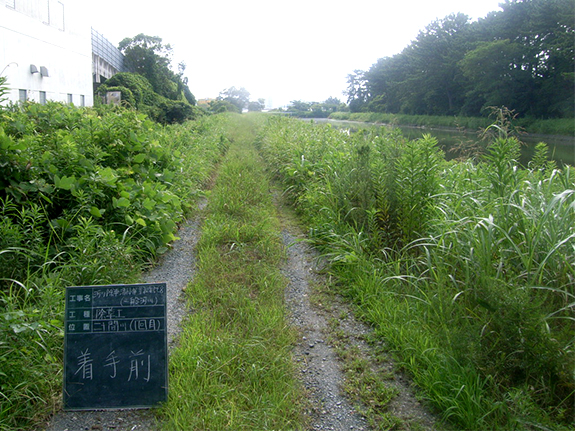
87,196
233,366
465,268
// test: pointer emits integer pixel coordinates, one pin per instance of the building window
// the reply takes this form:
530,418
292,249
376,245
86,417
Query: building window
82,101
70,98
42,97
22,95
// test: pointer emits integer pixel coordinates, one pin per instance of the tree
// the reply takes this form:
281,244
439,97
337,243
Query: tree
237,97
545,29
434,87
257,106
298,105
221,106
522,57
357,93
183,84
496,73
149,57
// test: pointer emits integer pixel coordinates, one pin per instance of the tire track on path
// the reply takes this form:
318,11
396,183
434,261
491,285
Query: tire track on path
317,359
320,364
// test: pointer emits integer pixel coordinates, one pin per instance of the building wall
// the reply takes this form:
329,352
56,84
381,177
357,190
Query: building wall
107,60
53,36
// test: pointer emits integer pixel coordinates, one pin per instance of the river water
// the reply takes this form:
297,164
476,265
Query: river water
561,148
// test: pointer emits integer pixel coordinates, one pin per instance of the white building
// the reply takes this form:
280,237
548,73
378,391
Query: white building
45,51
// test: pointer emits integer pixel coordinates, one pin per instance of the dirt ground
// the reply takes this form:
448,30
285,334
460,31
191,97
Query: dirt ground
317,358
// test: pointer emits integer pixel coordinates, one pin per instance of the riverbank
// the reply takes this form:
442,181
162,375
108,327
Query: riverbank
555,127
561,147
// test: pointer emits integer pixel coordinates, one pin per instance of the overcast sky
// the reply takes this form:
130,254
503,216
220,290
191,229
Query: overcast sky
278,50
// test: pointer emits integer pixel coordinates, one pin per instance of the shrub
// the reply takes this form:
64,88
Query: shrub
138,93
87,196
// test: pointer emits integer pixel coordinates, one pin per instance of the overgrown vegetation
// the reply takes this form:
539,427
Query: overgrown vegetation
233,369
138,93
152,88
465,268
87,196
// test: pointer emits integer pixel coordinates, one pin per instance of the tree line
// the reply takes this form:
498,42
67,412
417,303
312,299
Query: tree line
521,57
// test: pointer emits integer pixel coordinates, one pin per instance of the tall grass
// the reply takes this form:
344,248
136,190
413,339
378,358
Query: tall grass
467,269
232,369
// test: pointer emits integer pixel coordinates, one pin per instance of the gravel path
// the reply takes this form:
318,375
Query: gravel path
318,364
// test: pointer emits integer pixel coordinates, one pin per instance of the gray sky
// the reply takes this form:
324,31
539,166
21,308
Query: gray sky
278,50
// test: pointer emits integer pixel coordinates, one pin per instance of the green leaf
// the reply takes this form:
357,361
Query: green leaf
121,203
141,221
108,176
140,158
168,226
149,204
96,212
65,183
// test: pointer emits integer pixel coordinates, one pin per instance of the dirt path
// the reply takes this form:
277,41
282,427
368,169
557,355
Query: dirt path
318,362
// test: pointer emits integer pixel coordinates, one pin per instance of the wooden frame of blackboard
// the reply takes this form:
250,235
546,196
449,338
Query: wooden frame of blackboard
115,347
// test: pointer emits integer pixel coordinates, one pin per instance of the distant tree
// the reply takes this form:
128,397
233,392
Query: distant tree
433,85
183,84
539,35
522,57
237,97
495,71
332,104
298,105
357,93
257,106
221,106
314,109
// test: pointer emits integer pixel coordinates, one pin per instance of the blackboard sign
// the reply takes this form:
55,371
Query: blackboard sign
115,347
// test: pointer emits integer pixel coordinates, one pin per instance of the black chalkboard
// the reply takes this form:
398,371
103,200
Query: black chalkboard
115,347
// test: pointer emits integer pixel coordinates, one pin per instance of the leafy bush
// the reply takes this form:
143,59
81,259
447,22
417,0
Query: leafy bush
87,196
138,93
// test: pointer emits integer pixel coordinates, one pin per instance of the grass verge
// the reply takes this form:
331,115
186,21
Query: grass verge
464,269
233,368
